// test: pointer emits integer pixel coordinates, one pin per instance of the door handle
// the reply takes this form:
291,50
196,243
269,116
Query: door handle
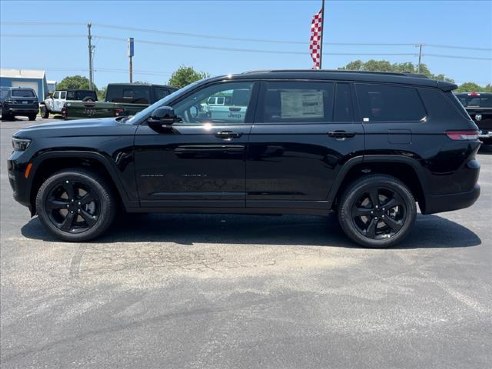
228,134
339,134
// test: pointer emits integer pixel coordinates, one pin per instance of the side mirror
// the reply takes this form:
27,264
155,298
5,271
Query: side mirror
162,119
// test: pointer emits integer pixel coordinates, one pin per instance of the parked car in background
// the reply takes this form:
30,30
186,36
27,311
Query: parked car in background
479,107
368,146
20,101
54,104
122,99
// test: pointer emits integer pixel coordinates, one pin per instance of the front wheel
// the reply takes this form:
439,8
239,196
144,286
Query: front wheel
45,113
377,211
75,205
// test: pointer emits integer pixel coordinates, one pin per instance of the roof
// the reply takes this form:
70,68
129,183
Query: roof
22,73
345,75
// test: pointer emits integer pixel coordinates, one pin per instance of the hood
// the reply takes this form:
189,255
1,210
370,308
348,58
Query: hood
82,127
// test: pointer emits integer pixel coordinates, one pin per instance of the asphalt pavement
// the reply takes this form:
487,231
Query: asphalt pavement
223,292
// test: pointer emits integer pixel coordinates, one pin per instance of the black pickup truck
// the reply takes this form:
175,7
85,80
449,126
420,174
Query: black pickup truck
122,99
479,107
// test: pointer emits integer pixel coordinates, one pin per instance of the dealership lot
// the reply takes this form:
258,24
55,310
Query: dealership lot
175,291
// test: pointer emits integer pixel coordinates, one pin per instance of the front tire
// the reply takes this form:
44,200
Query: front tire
45,113
377,211
75,205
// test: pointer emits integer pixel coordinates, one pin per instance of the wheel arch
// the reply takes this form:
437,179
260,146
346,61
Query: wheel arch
406,169
49,163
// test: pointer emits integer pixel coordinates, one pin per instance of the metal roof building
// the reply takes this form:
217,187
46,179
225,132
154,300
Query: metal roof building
35,79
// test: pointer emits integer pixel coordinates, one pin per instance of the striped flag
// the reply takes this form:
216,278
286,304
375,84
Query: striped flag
315,41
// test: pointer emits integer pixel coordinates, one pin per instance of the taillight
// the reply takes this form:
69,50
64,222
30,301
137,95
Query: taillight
462,135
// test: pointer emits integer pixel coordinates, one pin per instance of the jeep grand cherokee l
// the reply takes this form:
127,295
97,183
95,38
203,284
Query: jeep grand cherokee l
368,146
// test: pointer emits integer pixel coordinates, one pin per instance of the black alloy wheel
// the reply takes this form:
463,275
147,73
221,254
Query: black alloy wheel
377,211
75,205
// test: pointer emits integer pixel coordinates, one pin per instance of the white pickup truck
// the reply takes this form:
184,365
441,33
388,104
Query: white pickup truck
55,103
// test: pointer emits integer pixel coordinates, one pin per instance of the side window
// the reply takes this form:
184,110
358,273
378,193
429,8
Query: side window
294,102
63,94
70,95
160,93
56,95
389,103
343,104
220,103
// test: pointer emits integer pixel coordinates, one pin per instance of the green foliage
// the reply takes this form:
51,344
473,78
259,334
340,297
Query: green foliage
75,82
184,76
472,86
386,66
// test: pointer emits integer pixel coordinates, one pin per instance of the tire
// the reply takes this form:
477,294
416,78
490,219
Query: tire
45,113
75,205
377,211
32,117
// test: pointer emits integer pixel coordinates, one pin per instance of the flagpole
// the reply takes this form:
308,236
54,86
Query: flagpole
322,32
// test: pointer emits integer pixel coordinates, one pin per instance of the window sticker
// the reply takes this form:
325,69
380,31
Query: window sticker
302,104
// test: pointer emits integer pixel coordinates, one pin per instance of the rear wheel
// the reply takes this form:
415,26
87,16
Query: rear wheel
75,205
32,117
377,211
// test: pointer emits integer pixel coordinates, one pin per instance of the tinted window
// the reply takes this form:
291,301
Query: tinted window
23,93
235,97
387,103
343,103
160,92
63,94
298,102
476,100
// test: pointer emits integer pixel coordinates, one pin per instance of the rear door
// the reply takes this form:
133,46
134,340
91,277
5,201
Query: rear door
303,134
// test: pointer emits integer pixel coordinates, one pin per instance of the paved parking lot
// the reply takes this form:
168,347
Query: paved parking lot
172,291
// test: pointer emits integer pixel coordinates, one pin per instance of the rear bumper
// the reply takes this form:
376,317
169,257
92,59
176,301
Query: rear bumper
442,203
20,110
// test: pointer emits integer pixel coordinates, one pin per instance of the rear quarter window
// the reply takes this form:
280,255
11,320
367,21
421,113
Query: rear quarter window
389,103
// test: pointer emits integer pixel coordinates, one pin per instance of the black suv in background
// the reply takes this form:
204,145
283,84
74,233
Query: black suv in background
368,146
479,107
18,101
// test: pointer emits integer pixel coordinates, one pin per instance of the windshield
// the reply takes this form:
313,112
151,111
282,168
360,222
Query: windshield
144,114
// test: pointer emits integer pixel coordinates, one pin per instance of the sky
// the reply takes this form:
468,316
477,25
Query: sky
222,37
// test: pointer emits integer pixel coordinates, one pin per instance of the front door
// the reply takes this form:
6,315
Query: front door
201,161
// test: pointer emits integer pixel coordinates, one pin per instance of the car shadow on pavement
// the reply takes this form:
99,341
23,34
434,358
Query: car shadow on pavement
430,231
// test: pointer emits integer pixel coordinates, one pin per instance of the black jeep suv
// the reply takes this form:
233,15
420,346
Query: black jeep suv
18,101
366,145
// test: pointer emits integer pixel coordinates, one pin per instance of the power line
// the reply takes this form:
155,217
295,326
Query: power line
456,57
263,51
208,36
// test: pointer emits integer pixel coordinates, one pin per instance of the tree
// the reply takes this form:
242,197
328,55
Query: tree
472,86
75,82
184,76
386,66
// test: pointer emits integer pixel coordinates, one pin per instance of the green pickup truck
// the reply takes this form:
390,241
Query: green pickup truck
122,99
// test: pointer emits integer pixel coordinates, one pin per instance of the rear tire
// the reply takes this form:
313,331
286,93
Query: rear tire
32,117
75,205
377,211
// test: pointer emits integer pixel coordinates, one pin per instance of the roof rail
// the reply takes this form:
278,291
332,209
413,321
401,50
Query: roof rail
408,74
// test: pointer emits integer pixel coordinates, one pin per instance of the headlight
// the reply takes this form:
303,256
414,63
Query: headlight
20,144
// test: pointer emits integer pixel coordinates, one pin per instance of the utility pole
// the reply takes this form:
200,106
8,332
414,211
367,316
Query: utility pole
420,57
131,52
91,48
